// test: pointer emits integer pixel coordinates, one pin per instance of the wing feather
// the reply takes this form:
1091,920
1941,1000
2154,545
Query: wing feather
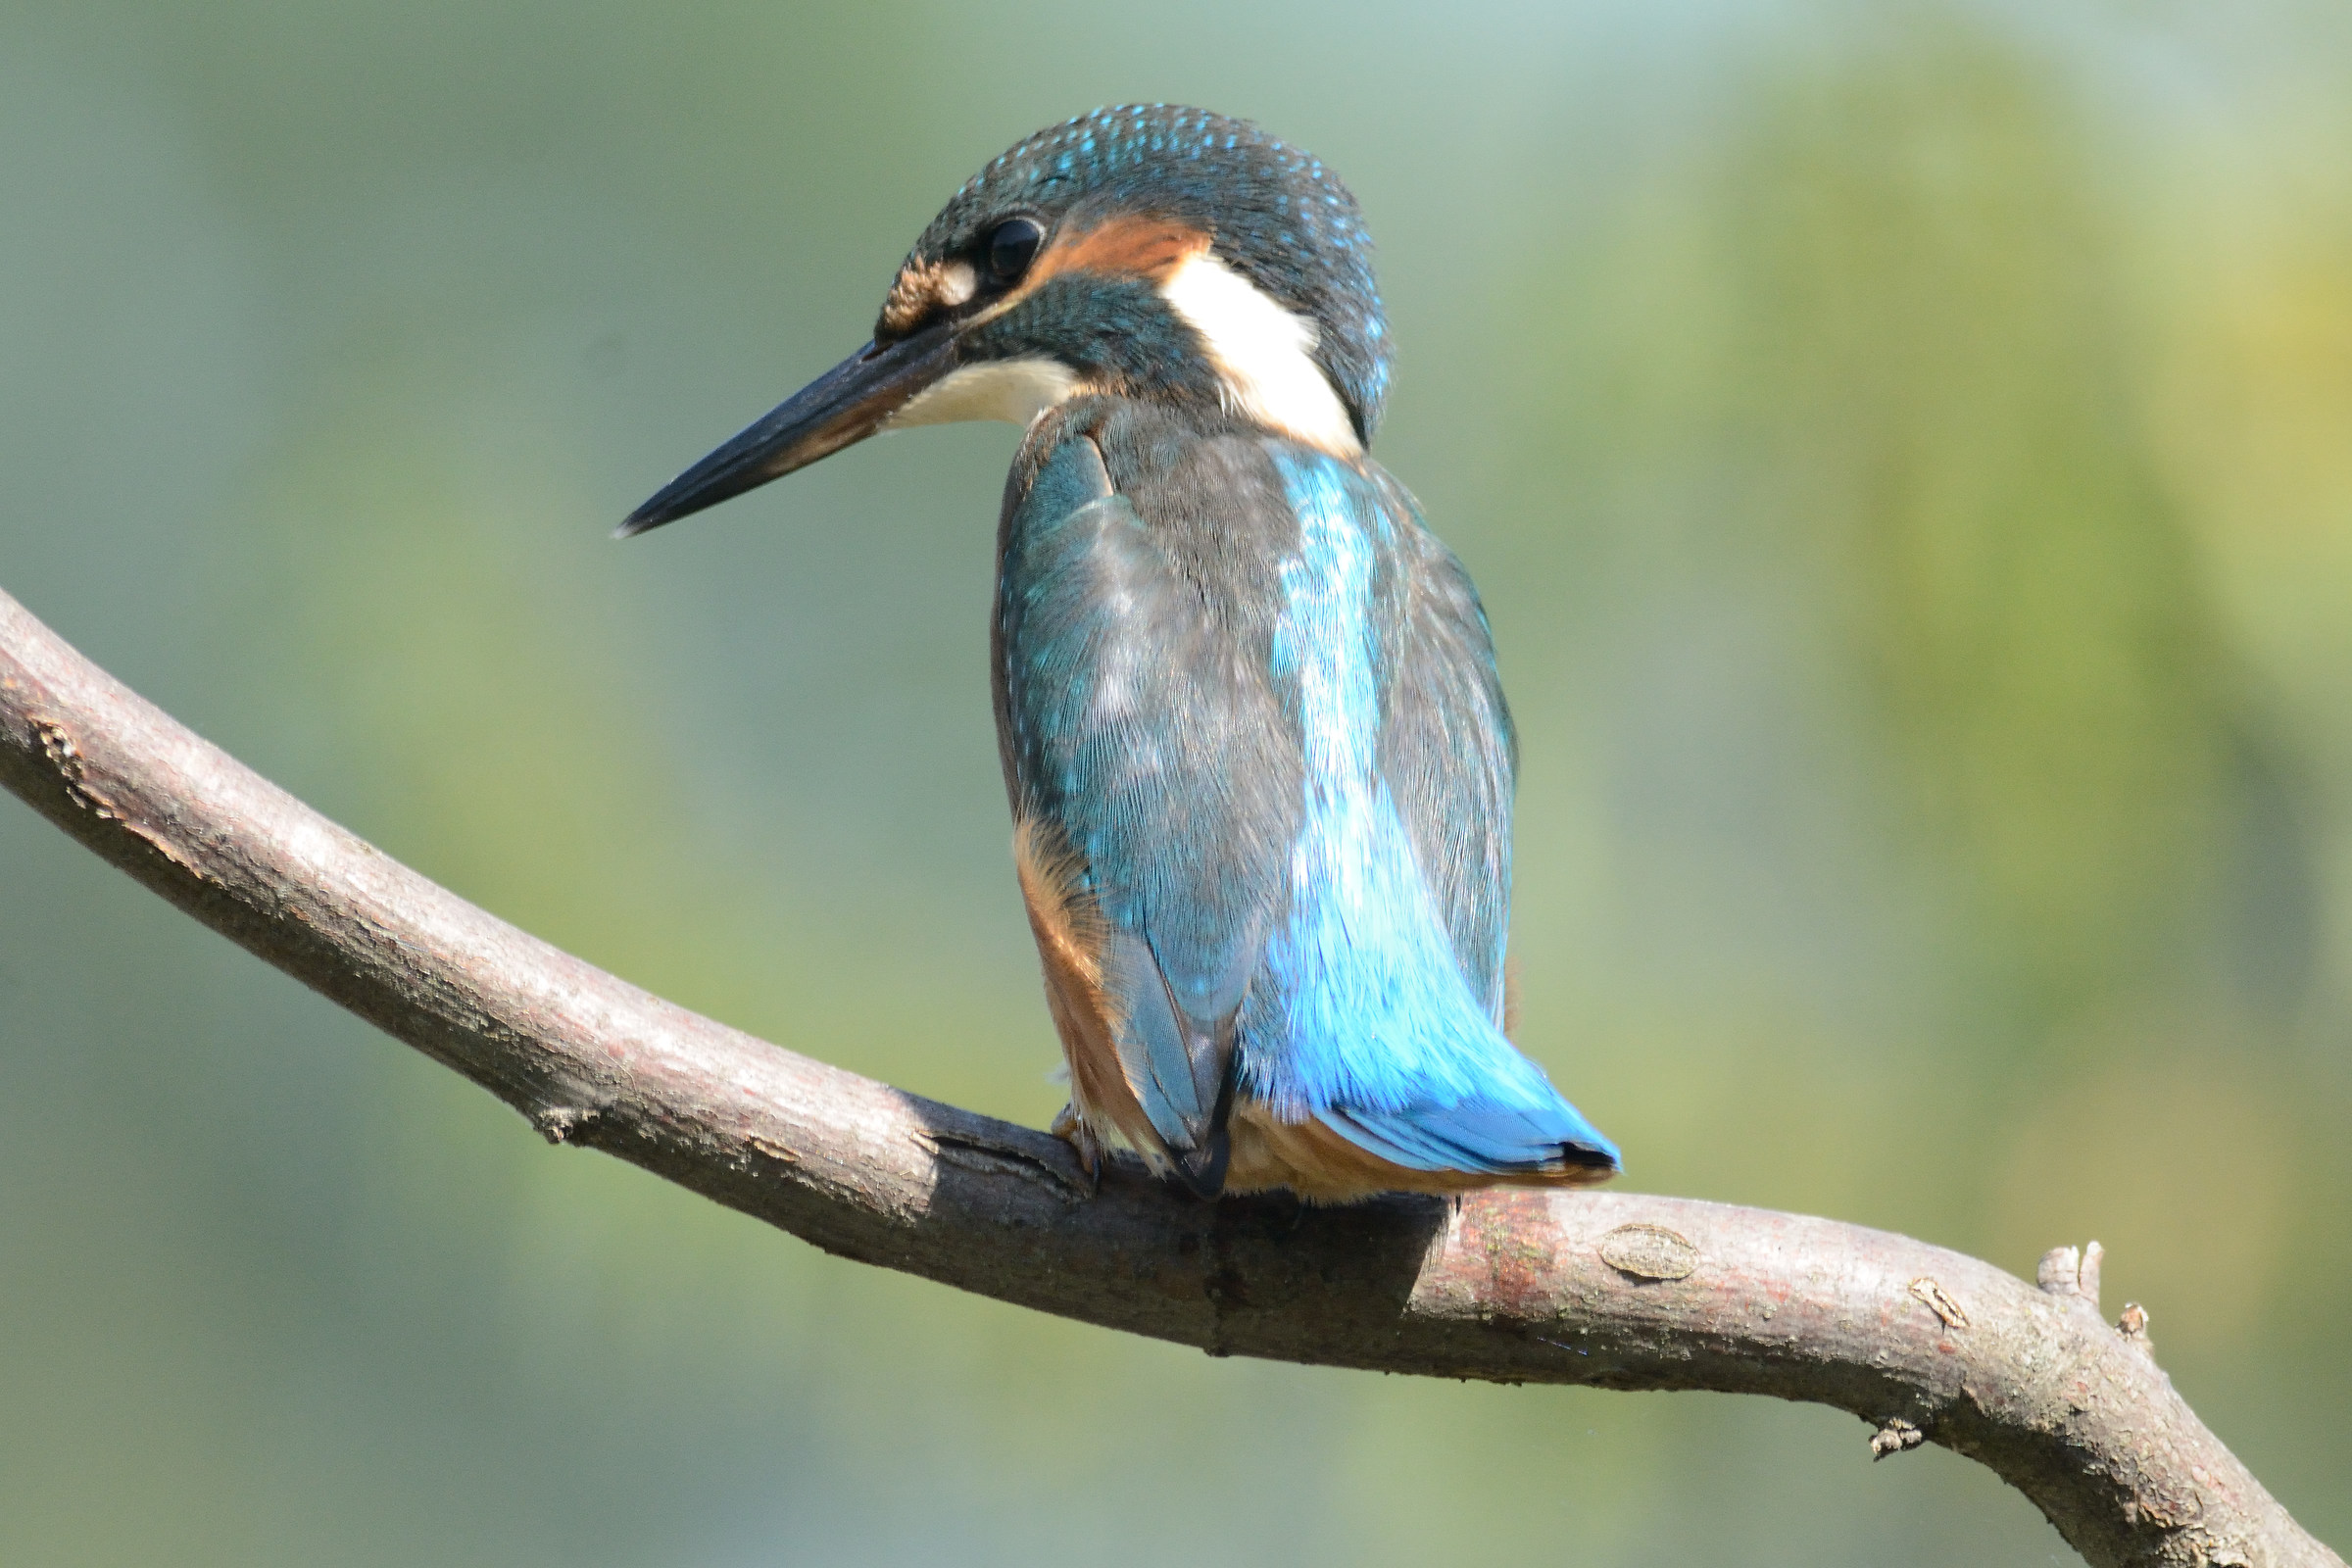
1133,723
1446,746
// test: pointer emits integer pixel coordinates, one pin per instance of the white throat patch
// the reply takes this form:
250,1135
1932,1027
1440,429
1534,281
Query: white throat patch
1016,391
1263,354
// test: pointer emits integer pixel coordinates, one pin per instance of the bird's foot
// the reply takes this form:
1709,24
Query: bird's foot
1071,1129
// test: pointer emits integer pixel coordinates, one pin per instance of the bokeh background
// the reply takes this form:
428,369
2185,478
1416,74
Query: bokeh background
1907,452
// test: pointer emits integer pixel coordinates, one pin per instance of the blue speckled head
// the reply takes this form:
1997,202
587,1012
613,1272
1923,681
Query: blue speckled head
1273,212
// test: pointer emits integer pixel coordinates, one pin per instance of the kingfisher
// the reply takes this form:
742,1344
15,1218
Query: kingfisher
1258,752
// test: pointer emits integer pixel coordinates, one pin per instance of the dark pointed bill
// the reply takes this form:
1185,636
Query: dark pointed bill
839,409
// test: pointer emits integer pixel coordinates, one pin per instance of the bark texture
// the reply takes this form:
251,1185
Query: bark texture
1615,1290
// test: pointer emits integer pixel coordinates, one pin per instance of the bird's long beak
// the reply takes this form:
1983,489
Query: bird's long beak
840,408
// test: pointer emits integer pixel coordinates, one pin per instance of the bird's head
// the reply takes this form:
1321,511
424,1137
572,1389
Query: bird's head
1154,252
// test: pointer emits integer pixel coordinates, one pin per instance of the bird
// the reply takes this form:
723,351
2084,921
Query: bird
1255,745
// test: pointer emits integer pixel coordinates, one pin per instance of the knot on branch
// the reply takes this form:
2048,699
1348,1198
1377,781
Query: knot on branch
72,772
1897,1435
563,1124
65,760
1647,1251
1941,1302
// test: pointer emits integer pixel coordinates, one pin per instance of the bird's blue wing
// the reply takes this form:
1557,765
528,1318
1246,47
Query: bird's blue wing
1139,732
1382,1015
1447,746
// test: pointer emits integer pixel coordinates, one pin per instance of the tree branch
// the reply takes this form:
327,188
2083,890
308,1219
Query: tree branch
1615,1290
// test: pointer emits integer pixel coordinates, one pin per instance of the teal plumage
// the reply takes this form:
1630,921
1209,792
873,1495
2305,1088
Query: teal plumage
1257,754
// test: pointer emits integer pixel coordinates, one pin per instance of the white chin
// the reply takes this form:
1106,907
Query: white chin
1014,391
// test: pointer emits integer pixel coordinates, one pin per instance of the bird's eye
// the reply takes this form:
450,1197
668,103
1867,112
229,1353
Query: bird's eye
1011,250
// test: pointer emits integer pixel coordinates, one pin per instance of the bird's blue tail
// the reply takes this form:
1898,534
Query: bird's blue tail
1489,1139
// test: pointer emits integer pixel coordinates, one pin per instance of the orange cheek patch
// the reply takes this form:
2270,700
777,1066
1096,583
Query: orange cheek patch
1137,247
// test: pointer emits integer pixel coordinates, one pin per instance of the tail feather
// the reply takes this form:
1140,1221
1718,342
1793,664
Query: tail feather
1483,1138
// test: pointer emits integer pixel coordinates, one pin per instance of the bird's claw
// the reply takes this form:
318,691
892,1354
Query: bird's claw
1071,1129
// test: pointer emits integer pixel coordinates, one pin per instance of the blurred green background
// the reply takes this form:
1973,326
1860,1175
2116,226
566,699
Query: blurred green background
1907,452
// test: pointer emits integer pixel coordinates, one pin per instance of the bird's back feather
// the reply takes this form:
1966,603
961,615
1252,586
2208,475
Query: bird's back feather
1254,702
